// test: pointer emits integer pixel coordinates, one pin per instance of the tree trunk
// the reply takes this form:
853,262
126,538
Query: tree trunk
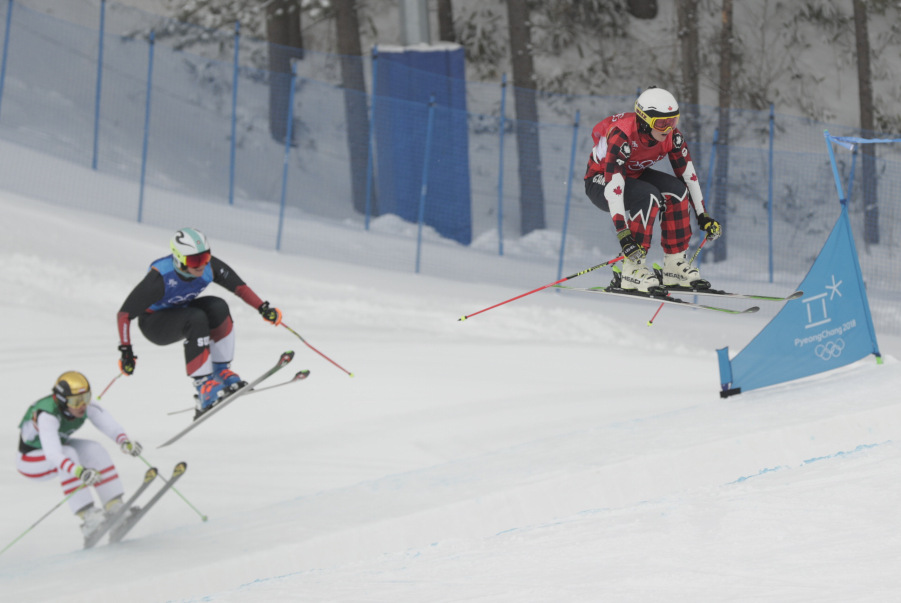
720,210
865,90
285,43
531,195
446,21
356,108
689,90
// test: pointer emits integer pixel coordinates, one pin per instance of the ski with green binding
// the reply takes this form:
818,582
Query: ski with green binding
658,295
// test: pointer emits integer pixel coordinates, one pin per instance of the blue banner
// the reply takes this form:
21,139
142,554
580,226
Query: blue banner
408,77
830,326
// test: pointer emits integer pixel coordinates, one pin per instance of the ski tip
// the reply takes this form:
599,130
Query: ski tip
151,474
752,309
180,468
795,295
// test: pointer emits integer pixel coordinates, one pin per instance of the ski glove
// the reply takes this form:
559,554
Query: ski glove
132,448
631,249
88,477
127,363
710,226
273,315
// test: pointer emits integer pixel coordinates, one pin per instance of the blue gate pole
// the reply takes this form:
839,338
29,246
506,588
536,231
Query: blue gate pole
500,169
851,174
146,126
569,190
231,161
288,135
716,135
423,191
375,57
9,18
770,193
99,82
838,181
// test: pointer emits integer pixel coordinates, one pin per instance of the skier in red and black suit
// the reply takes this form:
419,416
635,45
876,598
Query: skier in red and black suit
168,310
619,181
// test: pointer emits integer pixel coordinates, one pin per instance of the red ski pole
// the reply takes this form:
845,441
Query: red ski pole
315,350
571,276
110,385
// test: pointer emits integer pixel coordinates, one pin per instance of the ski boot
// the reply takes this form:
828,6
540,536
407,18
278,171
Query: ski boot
92,519
209,392
228,377
678,273
637,277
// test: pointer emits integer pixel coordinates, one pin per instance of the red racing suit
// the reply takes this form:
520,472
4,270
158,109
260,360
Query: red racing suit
619,180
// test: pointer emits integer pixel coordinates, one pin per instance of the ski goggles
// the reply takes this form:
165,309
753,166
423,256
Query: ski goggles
661,124
198,260
78,400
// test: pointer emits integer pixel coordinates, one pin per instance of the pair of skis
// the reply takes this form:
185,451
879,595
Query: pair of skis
661,295
299,376
250,388
664,295
124,519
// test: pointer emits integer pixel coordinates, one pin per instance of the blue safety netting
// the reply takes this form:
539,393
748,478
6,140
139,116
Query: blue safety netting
170,120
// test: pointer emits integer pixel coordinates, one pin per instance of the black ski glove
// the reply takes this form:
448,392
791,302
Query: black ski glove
631,249
270,314
710,226
127,362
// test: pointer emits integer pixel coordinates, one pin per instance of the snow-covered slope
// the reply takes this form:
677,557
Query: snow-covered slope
552,449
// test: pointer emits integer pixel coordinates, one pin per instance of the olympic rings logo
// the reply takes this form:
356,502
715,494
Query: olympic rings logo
830,350
643,165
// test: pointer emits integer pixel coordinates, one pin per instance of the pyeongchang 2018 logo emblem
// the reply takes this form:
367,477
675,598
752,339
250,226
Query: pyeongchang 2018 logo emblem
824,334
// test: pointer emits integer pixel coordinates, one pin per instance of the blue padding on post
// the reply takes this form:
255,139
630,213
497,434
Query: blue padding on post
407,78
722,355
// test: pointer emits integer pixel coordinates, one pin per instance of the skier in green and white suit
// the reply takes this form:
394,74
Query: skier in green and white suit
47,448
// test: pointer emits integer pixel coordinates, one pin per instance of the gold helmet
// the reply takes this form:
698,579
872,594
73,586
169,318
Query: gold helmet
72,389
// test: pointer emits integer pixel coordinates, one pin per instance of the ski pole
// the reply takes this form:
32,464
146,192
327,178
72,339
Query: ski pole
692,261
315,350
109,386
202,516
571,276
43,517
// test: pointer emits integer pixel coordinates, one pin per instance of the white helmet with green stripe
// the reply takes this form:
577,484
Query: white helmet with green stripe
188,242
